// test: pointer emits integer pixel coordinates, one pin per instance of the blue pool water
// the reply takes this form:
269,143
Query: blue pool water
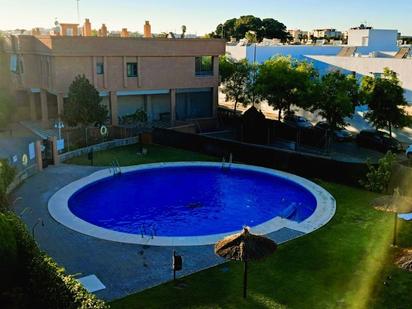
190,201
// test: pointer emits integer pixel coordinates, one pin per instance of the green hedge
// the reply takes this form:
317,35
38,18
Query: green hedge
31,279
7,174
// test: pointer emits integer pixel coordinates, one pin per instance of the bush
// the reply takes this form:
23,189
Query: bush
7,174
31,279
377,179
139,116
61,290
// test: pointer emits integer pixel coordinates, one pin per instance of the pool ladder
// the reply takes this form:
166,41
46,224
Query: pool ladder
229,163
115,168
152,230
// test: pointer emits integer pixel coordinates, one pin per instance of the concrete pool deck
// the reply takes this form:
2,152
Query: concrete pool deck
123,268
59,207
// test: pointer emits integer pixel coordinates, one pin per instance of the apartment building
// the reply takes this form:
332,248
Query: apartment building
174,79
325,34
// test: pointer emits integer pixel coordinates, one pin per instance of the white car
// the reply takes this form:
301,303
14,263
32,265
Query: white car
409,152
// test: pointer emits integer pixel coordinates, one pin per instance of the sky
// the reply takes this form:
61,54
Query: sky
202,17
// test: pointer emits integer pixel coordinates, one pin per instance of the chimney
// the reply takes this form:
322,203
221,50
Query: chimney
103,31
87,28
124,33
147,30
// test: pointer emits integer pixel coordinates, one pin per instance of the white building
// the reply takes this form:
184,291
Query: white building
368,52
377,39
373,64
326,34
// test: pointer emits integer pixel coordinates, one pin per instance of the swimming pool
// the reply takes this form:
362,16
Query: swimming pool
189,203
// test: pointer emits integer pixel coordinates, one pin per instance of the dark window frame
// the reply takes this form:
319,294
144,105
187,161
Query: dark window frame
132,69
202,68
99,68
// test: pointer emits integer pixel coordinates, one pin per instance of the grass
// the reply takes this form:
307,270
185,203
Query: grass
128,156
343,265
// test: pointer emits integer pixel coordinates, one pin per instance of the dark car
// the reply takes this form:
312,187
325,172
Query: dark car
340,134
378,140
297,121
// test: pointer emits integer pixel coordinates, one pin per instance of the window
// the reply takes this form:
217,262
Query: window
132,69
69,32
99,68
13,63
204,65
16,64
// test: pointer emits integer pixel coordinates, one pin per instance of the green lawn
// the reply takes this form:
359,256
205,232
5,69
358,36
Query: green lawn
128,156
343,265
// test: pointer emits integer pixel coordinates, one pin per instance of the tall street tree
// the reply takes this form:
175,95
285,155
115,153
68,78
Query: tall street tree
283,82
226,67
83,105
236,86
385,97
335,97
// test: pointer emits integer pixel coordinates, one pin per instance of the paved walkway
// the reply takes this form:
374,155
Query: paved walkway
123,268
16,143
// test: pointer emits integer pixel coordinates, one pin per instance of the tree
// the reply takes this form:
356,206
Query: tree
239,27
226,67
236,85
273,29
385,98
83,105
251,37
184,29
225,30
247,23
335,97
283,81
6,107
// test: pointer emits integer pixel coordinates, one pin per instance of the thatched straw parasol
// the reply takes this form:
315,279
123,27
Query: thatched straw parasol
404,259
245,247
396,204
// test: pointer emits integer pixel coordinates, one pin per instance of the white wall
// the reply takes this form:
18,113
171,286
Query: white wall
364,66
355,36
378,39
237,52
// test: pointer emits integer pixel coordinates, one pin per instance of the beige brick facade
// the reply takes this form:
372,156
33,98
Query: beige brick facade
49,64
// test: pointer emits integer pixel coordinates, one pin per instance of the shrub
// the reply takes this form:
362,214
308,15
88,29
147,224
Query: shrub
31,279
377,179
62,291
7,174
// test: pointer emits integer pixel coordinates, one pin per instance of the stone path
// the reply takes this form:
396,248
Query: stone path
123,268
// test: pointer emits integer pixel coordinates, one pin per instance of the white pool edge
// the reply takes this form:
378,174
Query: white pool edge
59,209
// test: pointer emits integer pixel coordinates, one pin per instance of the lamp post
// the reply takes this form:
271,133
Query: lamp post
59,125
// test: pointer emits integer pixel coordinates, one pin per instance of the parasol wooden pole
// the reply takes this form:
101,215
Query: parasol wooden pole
245,279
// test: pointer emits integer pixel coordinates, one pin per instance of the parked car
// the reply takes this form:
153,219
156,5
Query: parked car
378,140
409,152
340,134
297,121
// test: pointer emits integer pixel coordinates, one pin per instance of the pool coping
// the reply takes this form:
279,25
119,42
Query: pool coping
59,210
